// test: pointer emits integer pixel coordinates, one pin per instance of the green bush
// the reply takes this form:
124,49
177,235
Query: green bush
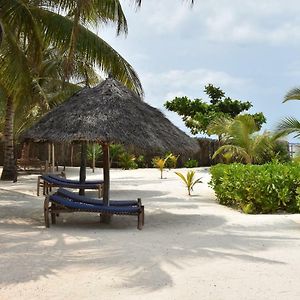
257,188
191,163
141,161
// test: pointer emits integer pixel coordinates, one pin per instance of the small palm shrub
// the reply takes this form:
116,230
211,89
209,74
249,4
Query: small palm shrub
141,161
257,188
115,151
191,163
127,161
94,148
160,163
189,180
171,163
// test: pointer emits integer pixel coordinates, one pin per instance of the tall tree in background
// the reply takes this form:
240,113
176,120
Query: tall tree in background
197,114
30,26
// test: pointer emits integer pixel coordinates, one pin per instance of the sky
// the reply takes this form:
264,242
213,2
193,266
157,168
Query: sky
249,48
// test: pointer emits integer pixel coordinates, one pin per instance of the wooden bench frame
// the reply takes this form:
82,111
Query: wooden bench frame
54,209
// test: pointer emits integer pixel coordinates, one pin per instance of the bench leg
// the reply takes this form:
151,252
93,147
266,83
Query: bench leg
44,188
46,212
38,186
140,219
53,215
143,215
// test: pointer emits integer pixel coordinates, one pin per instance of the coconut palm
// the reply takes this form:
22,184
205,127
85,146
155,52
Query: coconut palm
241,140
28,26
290,125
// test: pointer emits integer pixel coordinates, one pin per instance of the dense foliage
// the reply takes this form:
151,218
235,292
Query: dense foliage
191,163
266,188
198,114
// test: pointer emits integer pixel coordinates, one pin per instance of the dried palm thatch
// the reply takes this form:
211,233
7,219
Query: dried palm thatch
109,113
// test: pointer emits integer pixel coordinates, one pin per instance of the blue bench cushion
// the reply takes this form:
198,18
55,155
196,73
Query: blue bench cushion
72,180
93,208
90,200
75,185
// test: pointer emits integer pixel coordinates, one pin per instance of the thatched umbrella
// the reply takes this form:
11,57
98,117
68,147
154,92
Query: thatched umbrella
108,113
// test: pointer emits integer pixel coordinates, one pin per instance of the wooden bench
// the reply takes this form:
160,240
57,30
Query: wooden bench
55,204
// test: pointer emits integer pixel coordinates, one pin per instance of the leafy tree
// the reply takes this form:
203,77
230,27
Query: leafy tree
198,114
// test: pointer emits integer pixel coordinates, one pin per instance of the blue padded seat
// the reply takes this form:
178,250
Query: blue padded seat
90,200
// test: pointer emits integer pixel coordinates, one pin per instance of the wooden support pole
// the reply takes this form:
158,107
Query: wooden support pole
94,157
105,148
49,154
53,158
82,174
72,154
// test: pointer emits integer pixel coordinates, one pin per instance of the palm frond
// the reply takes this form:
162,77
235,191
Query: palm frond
91,47
182,177
93,12
15,74
293,94
219,126
288,126
237,151
17,15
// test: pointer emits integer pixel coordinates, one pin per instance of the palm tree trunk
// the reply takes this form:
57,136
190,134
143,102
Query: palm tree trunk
73,41
9,171
1,33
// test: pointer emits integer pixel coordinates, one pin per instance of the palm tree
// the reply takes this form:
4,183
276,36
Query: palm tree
290,125
29,25
240,140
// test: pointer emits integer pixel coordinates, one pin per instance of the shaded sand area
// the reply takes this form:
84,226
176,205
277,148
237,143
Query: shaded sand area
190,247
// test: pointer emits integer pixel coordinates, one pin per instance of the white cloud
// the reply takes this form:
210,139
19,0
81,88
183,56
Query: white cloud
191,79
164,86
167,18
251,21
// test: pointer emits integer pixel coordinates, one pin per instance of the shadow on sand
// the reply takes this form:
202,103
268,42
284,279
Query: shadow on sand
80,240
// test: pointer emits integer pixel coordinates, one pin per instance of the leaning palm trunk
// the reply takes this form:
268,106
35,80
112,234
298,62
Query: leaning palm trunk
1,33
9,166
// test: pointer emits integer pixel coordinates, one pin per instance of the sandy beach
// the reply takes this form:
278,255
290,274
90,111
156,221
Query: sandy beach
189,248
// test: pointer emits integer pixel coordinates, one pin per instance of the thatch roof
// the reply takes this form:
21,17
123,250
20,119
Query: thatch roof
110,112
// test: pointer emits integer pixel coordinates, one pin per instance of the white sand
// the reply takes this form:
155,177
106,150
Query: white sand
190,247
